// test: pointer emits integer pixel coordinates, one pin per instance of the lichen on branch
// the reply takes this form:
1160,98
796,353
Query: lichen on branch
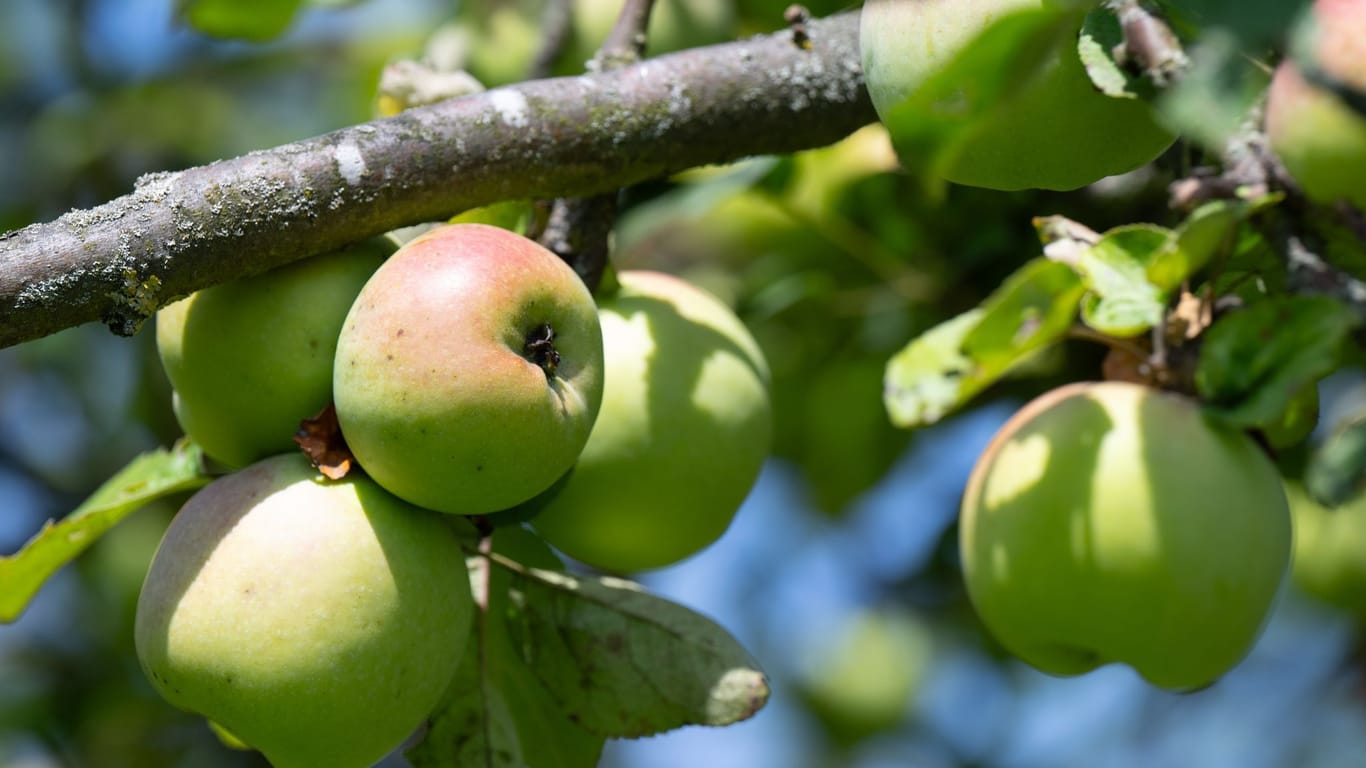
574,136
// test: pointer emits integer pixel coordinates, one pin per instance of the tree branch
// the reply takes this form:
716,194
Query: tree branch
577,136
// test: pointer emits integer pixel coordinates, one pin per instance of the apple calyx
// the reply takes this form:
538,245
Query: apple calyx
540,349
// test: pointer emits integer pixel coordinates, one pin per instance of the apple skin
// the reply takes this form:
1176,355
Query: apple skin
437,394
684,429
249,360
1113,523
1058,133
1320,139
1330,550
317,621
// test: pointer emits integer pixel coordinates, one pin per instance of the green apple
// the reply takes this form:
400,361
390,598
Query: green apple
1114,523
683,431
249,360
866,681
1057,132
1318,136
317,621
469,370
1330,550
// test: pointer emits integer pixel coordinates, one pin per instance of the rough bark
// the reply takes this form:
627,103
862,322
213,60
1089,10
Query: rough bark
577,136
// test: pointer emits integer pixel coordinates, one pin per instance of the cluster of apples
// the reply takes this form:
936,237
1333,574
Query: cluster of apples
320,620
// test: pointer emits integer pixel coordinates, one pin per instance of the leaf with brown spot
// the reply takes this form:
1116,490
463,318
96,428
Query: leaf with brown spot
628,663
495,713
320,438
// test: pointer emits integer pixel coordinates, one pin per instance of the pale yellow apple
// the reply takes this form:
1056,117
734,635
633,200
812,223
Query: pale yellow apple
683,432
316,621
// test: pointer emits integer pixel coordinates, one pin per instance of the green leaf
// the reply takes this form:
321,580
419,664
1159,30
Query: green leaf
926,380
624,663
1254,24
1336,473
1121,300
254,20
1211,230
1254,361
933,126
495,713
944,367
148,477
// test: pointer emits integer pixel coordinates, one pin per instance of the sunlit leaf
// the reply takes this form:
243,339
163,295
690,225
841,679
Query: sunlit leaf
943,368
925,380
624,663
1253,362
148,477
1100,33
1121,300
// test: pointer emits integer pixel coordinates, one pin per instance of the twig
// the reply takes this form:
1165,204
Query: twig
557,26
1308,273
625,44
578,136
579,229
1150,43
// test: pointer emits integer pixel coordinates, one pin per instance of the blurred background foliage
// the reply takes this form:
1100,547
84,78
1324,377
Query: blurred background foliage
840,574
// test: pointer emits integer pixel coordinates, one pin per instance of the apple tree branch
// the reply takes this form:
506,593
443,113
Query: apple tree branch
575,136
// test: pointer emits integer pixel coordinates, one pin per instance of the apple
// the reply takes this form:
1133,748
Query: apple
865,682
1114,523
683,432
317,621
1330,550
1319,137
1057,132
250,359
469,370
